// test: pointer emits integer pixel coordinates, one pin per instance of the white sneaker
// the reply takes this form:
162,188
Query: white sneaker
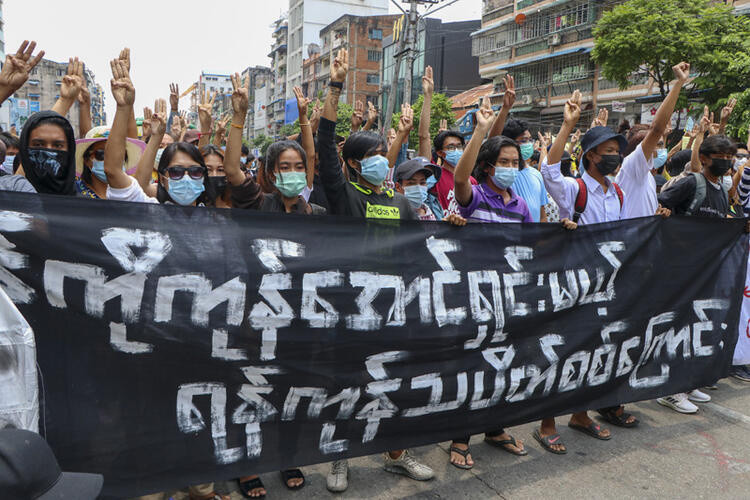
679,403
698,396
338,479
408,466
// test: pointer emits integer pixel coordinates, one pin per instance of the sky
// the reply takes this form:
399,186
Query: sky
169,40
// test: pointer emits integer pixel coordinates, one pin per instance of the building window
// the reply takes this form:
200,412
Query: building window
373,79
376,34
374,55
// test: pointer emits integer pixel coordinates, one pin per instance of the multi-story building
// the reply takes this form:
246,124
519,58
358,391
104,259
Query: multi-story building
276,90
259,76
98,115
363,37
546,45
306,20
444,46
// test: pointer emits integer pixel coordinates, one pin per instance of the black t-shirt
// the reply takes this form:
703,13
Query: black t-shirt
680,195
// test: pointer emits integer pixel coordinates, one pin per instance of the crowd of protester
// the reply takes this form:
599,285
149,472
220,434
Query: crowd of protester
501,175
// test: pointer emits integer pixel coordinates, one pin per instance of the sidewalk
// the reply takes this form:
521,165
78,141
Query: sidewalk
668,456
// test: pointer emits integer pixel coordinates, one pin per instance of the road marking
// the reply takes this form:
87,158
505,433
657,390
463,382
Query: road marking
728,413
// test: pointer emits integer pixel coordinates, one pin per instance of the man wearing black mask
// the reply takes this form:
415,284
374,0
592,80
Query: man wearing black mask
48,153
702,194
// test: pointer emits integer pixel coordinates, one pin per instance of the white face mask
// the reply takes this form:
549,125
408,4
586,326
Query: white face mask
727,182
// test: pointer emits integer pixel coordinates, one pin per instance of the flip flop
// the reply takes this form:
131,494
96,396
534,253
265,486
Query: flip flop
548,441
503,446
253,484
286,475
463,453
593,430
613,418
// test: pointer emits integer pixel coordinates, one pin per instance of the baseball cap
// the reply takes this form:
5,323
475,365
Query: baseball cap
408,168
29,470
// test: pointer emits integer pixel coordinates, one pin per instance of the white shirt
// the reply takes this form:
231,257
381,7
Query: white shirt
134,192
635,179
600,206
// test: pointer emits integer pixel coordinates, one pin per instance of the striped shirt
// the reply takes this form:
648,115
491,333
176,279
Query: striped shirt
488,206
743,190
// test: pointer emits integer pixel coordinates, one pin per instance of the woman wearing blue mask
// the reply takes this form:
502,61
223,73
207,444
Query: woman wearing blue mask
92,181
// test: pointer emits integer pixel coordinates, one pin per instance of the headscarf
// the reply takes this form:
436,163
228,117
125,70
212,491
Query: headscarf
42,180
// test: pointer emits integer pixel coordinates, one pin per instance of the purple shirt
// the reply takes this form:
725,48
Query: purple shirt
488,206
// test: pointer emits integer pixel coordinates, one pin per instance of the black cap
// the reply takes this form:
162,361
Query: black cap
419,164
29,470
599,135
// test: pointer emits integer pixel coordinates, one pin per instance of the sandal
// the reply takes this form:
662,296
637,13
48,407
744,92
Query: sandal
503,445
286,475
548,441
611,416
464,453
593,429
253,484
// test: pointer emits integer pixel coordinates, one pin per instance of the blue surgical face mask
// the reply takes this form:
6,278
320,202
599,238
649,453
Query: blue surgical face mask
431,181
186,190
374,169
290,184
527,150
661,158
8,164
416,195
454,156
97,168
504,177
243,160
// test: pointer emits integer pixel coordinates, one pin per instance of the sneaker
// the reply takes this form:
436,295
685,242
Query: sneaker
338,479
741,372
408,466
679,403
698,397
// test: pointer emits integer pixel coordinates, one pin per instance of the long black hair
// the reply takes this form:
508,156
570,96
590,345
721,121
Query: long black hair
489,152
162,195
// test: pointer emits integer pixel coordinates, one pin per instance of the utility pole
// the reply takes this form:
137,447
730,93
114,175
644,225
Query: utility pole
411,54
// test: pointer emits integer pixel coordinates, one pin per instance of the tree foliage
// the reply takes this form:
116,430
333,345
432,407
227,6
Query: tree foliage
651,36
441,110
262,142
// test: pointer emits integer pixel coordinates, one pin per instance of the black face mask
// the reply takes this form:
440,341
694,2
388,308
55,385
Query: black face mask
219,184
719,166
50,166
608,164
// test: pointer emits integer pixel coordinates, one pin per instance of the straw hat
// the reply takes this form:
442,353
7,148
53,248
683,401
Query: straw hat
133,147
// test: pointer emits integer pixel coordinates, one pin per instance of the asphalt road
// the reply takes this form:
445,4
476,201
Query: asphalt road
669,455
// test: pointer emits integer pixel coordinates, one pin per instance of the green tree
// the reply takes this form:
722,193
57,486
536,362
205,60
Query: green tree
648,37
441,110
289,129
262,142
344,119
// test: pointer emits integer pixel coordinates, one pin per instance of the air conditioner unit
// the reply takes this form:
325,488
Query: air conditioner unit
554,40
527,100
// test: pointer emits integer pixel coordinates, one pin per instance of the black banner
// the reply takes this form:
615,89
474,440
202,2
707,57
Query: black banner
180,345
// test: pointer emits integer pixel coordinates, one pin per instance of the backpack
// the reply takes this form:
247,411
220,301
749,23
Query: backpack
583,197
700,193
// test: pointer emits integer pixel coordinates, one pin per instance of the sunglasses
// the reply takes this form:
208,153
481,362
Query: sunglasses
177,172
98,155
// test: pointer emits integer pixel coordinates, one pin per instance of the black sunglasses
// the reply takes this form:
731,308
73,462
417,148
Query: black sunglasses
177,172
99,155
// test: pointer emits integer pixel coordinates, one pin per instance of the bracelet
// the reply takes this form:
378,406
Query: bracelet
337,85
305,125
238,126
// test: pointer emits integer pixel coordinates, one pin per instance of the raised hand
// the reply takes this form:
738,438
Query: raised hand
601,118
726,111
682,72
73,82
340,66
357,115
176,129
17,67
315,116
576,137
157,121
302,101
573,109
406,122
184,120
205,111
428,84
372,112
222,123
125,58
84,96
443,125
122,88
509,99
174,96
147,115
543,141
240,96
484,115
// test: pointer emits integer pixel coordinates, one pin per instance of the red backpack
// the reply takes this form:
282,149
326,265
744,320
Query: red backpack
583,197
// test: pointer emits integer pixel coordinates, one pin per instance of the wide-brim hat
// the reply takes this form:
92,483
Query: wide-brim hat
133,147
599,135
